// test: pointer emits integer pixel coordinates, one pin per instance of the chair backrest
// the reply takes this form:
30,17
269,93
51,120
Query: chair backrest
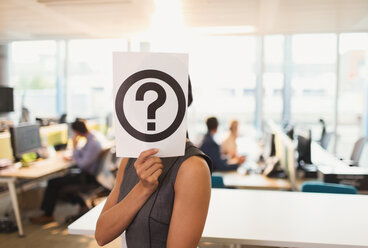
321,187
358,148
325,141
104,175
217,182
62,118
101,159
363,160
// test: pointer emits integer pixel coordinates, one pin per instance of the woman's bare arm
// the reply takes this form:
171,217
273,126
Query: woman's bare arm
192,197
116,217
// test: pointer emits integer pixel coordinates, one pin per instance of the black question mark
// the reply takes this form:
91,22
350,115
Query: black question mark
151,109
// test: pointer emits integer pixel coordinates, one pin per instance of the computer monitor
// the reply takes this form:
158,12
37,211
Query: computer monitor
281,151
269,149
291,164
304,147
285,152
6,99
25,139
5,146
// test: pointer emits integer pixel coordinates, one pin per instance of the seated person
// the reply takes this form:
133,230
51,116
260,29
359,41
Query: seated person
212,149
86,158
228,146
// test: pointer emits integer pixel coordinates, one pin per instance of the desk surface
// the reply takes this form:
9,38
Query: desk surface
275,218
37,169
237,179
322,157
254,181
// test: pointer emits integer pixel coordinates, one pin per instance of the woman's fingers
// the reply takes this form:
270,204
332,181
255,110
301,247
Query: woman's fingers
145,155
151,170
142,167
156,175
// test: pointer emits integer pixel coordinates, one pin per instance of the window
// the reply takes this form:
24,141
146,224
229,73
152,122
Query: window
313,80
351,103
222,71
273,77
90,82
224,80
33,75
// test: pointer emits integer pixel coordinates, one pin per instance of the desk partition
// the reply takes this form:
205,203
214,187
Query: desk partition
285,152
5,146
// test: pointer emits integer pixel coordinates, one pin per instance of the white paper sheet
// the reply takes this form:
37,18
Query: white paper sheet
150,102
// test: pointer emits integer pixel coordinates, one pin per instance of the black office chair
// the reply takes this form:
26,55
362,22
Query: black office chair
62,118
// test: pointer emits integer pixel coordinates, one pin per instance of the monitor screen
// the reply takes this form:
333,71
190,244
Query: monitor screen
269,145
304,147
25,138
285,152
281,151
6,99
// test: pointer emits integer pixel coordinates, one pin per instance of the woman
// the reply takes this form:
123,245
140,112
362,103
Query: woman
158,202
228,146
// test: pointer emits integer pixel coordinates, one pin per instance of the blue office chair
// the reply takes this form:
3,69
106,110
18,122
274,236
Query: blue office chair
217,182
321,187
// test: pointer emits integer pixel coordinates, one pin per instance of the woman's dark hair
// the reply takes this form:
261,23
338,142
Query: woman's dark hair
80,126
211,123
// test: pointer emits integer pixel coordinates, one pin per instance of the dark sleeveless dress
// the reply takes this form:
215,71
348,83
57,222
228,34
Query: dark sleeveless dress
150,226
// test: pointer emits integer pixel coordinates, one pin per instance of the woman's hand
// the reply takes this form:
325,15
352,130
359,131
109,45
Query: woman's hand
241,159
148,168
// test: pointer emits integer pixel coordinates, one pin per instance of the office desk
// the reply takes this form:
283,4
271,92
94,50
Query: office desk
322,157
237,179
274,218
37,170
253,181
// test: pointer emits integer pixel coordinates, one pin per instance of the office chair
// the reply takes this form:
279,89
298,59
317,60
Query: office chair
92,191
332,188
106,173
358,149
217,182
356,154
62,118
325,140
87,190
325,136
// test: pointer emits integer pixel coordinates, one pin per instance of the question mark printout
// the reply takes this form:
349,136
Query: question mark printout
150,103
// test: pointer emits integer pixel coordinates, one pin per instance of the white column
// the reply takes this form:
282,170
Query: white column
259,85
365,109
286,110
336,107
4,64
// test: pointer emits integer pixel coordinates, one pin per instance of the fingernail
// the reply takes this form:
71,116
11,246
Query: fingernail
155,150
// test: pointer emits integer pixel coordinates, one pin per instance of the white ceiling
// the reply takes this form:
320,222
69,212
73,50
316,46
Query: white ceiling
44,19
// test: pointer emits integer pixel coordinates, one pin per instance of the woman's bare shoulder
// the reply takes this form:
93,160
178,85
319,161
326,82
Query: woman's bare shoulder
194,167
